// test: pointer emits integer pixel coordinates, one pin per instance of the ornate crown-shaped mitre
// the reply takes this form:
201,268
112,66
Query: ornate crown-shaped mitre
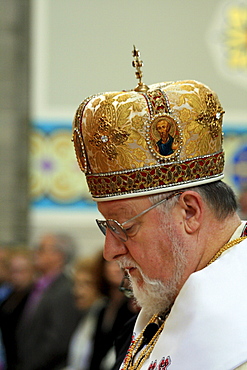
149,140
132,143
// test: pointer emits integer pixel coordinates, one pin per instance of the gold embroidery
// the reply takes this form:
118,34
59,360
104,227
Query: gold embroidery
79,150
122,98
110,131
137,122
107,138
95,103
138,105
202,137
212,116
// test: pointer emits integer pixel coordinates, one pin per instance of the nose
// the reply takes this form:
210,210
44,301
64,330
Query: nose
113,247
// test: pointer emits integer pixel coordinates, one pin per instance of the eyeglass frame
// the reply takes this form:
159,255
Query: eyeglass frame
104,224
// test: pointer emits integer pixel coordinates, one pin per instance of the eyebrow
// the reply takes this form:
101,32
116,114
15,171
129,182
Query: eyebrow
116,214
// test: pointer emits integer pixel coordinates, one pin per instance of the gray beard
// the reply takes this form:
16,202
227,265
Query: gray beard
155,296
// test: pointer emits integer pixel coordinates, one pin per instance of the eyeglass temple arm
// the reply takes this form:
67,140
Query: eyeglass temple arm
153,206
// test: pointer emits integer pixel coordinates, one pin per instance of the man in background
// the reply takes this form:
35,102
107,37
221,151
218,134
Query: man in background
50,316
21,278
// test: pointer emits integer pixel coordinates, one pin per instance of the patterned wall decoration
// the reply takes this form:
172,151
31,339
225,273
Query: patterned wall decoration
229,40
55,177
57,182
235,144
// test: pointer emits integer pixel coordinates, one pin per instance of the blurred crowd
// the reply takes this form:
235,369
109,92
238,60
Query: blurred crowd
58,310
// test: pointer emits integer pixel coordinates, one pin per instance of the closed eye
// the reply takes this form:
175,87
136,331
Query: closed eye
132,230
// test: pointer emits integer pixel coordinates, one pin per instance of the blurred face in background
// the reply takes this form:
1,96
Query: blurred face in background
85,289
113,273
21,271
48,258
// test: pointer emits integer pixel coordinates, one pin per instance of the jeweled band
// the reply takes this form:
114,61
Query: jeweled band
173,175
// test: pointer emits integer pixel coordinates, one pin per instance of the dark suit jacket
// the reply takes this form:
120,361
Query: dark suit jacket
10,312
42,341
123,341
104,340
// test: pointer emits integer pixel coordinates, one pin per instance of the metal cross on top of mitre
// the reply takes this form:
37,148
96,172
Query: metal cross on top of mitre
137,64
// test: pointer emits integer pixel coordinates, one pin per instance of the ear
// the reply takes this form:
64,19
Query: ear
192,207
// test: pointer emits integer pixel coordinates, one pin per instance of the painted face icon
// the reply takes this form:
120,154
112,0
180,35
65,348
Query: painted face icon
163,128
165,143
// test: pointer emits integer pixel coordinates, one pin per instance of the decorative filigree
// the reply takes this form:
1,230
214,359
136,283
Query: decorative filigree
106,138
212,116
157,102
165,175
80,150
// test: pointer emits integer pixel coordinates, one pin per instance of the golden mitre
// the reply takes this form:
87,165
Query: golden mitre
149,140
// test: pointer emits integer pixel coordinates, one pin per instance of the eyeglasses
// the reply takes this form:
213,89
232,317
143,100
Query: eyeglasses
118,229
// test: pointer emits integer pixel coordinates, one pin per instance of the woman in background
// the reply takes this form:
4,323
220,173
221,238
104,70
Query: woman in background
117,311
89,300
106,310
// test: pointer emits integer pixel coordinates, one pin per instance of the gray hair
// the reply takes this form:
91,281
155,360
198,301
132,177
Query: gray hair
218,195
65,244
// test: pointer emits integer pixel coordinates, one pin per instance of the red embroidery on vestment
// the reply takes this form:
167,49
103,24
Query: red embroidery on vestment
244,232
163,365
152,366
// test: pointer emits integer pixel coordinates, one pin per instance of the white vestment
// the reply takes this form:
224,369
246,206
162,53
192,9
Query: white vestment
207,326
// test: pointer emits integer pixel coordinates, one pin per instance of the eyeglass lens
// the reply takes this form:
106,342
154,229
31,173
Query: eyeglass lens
117,230
102,225
114,227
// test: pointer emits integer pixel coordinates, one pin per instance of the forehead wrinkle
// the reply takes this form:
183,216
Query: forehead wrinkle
121,209
116,213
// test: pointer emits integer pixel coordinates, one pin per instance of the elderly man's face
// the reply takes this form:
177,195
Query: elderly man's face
154,251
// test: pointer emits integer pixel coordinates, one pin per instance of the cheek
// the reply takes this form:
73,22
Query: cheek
154,256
